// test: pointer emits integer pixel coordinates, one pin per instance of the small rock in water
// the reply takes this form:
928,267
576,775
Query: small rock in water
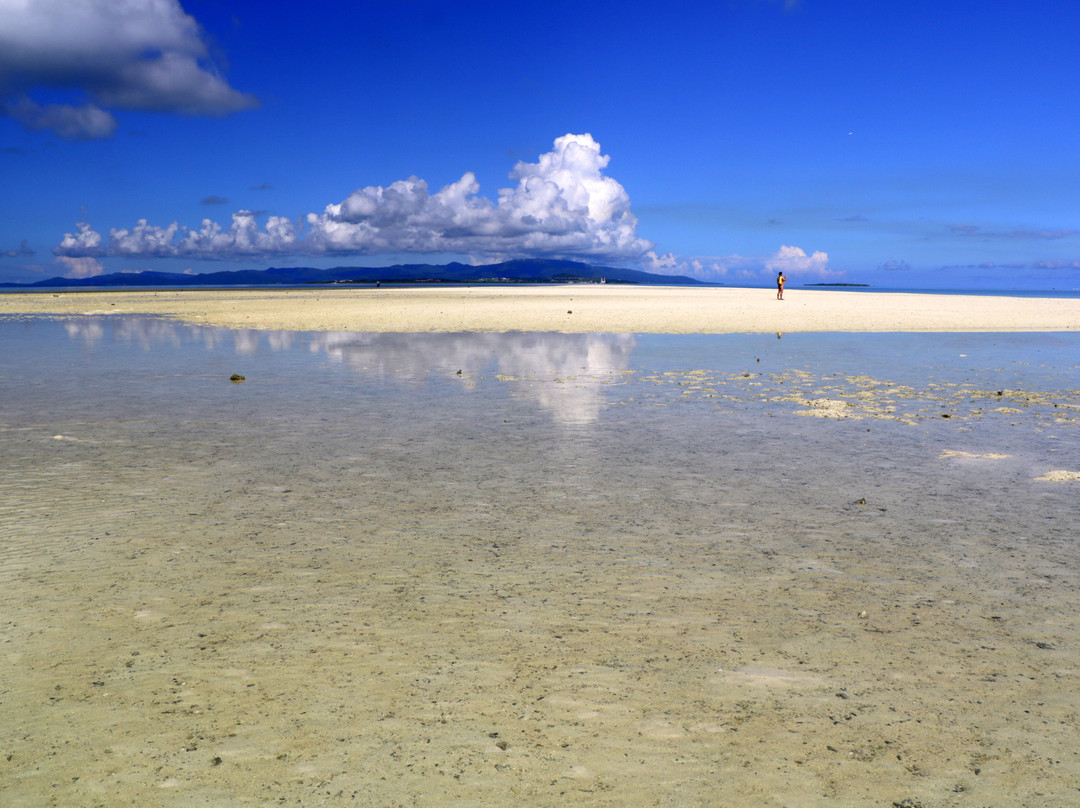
236,377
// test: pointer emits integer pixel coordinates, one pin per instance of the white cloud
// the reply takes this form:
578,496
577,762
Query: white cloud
794,260
243,238
669,262
85,243
561,206
743,269
140,54
81,267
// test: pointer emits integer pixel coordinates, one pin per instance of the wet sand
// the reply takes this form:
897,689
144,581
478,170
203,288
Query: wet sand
562,576
568,309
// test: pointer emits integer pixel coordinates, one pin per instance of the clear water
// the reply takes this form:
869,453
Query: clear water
592,544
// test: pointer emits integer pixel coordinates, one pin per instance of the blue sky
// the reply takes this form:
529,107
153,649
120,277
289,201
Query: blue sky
896,144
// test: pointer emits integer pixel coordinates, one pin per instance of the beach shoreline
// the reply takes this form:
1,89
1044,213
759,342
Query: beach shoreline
565,309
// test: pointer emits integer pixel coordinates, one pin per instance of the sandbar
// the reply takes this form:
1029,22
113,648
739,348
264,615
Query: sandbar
566,309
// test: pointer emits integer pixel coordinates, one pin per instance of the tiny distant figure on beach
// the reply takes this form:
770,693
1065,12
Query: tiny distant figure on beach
780,280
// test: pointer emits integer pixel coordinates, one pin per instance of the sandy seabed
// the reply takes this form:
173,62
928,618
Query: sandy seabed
535,569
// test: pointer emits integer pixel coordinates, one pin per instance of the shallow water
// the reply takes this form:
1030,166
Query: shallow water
380,555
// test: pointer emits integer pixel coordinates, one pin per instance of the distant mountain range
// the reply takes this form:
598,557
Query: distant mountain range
523,271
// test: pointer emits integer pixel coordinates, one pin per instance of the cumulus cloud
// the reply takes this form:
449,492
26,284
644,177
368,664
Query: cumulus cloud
747,269
794,260
81,267
140,54
86,243
563,205
242,238
668,263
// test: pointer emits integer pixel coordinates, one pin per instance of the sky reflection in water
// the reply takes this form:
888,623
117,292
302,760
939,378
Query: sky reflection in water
571,377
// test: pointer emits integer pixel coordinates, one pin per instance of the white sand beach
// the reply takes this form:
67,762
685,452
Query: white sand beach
567,309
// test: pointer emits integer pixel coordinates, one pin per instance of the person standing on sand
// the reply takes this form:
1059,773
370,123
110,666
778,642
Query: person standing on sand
780,280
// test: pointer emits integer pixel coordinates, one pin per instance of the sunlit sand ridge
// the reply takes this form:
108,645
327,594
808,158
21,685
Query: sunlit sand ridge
576,309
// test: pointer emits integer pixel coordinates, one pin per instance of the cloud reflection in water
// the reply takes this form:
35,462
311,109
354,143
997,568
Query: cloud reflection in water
564,374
